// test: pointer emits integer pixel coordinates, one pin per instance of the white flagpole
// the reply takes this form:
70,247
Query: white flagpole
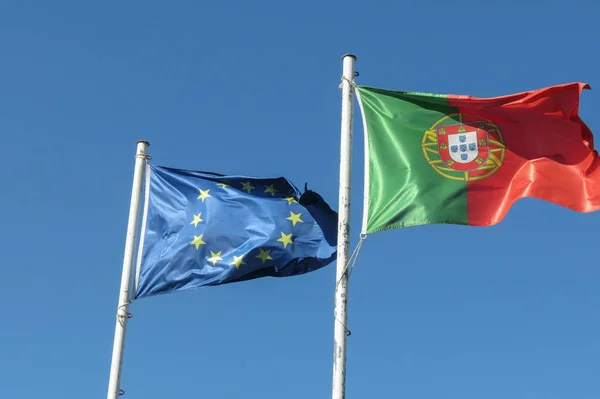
114,390
341,291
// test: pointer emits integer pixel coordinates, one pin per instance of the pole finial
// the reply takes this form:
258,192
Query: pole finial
350,55
144,142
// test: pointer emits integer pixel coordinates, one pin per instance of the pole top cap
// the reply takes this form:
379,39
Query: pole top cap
143,142
349,55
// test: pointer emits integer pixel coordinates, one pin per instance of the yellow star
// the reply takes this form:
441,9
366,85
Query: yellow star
290,200
270,189
238,261
295,218
198,241
204,194
248,187
264,255
223,185
285,239
215,256
197,219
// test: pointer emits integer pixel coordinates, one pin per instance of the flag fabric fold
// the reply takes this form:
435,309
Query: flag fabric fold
434,158
207,229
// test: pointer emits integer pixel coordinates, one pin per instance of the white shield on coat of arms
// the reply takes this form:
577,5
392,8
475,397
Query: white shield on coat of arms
463,146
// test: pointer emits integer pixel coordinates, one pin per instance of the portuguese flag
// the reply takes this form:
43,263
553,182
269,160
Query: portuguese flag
433,158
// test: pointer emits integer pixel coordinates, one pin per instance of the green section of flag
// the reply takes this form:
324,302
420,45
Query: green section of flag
404,189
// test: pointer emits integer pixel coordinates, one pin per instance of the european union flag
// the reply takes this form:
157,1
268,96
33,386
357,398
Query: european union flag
207,229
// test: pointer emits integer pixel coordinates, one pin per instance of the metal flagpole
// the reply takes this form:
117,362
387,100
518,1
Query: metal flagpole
341,291
114,390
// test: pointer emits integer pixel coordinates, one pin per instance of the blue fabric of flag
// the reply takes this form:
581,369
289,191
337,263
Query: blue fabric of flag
206,229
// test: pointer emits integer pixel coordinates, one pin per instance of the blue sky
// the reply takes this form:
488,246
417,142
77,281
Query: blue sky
250,88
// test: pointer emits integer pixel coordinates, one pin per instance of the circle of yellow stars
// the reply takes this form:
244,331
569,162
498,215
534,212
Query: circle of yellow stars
264,254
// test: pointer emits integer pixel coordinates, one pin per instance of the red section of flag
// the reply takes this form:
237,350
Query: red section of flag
549,152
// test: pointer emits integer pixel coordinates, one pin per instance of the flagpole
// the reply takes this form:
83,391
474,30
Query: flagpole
341,291
114,390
